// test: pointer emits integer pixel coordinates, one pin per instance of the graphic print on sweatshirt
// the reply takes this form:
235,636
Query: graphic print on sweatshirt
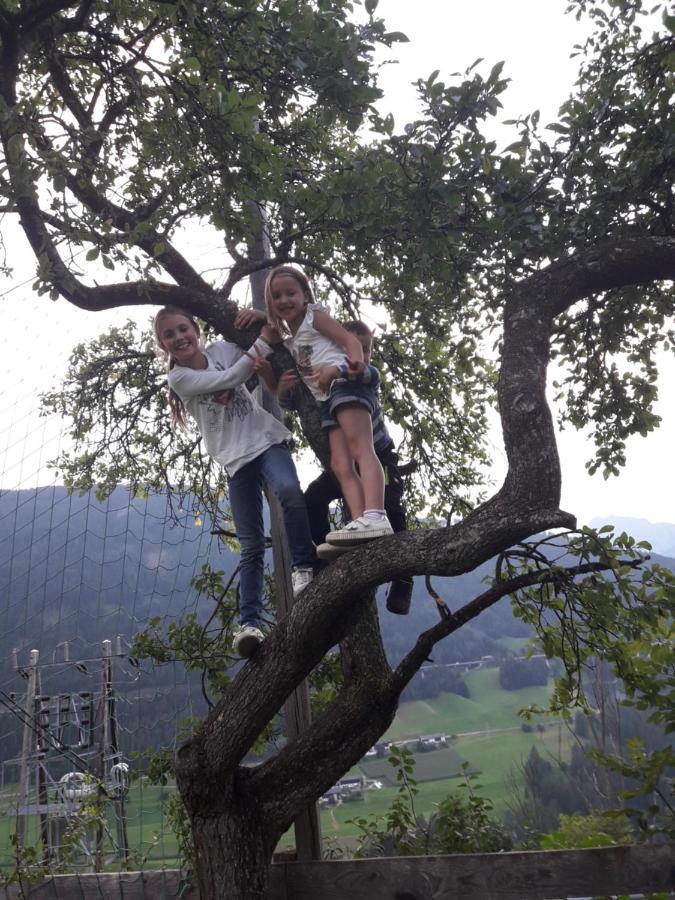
238,407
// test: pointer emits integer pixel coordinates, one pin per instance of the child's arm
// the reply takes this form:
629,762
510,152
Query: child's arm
328,374
287,380
370,375
331,329
189,383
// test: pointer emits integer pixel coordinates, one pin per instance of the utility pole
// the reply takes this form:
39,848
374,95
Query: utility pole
297,713
28,729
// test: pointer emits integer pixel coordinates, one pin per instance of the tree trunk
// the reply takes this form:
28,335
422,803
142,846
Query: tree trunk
233,853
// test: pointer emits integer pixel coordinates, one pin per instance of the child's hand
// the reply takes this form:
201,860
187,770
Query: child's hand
247,317
263,368
287,382
355,366
270,335
224,398
327,375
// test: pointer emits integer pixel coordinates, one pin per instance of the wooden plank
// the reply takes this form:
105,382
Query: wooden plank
534,875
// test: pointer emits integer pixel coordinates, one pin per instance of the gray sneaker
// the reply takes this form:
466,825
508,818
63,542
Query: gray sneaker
330,552
246,640
300,578
360,530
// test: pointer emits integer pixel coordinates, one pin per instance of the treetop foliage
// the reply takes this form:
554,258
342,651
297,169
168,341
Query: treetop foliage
125,125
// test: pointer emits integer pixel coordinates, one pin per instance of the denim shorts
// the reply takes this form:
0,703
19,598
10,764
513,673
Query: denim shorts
344,391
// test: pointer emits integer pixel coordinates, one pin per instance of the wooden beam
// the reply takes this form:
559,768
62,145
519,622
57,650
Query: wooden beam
532,875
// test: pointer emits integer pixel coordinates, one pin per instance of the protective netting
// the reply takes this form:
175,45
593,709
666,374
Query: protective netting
78,577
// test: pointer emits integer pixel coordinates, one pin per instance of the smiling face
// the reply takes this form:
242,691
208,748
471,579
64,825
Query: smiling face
286,300
178,336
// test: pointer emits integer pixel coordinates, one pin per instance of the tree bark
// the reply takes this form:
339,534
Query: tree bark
233,851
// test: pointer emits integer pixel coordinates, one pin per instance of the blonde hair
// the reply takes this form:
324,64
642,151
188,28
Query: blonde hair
176,405
302,280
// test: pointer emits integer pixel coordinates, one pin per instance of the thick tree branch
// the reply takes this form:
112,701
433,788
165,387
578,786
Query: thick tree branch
60,79
611,264
124,221
533,477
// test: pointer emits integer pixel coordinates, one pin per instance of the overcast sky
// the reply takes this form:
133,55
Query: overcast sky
535,39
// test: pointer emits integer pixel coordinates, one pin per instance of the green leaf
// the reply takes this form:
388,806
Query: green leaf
669,22
495,72
395,37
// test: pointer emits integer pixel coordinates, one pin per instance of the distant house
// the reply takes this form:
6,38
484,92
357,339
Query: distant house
431,741
346,789
377,750
331,798
352,788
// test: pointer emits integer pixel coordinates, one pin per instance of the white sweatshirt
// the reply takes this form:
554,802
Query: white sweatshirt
236,433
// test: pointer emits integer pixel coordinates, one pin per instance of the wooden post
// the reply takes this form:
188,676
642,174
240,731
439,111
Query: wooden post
297,712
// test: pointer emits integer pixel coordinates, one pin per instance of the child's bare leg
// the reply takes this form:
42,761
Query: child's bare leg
357,428
342,465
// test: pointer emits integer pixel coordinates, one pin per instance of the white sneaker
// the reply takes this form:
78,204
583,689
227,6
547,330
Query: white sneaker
246,640
361,529
329,552
300,578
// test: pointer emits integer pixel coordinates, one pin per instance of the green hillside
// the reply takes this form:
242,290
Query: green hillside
487,734
487,707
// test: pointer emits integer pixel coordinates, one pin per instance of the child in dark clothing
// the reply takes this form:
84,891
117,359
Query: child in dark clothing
324,489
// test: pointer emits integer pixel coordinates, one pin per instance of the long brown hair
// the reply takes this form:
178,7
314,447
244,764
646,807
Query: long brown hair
302,280
176,405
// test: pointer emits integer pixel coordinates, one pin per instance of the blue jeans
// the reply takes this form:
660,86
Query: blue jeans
275,466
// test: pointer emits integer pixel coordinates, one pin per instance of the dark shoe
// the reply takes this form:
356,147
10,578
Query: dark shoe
399,596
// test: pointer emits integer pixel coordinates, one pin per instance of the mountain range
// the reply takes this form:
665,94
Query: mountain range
661,535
